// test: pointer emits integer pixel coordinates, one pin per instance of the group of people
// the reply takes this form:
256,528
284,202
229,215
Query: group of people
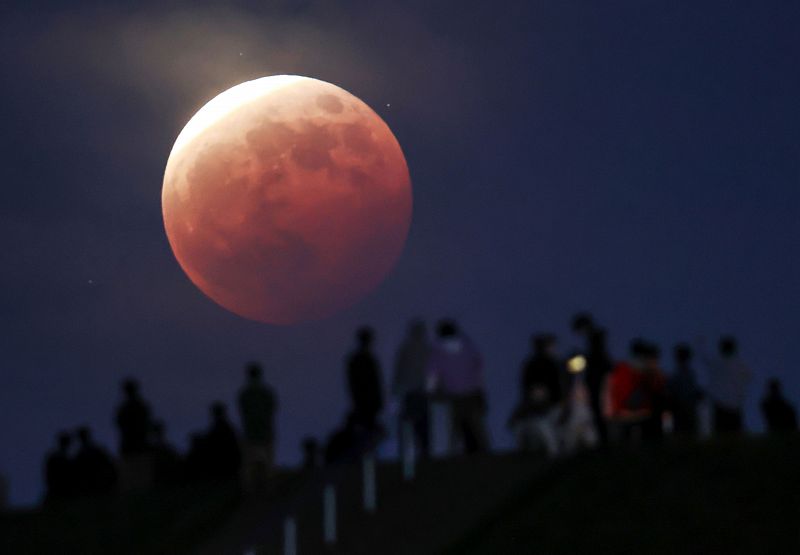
564,404
582,400
449,370
589,398
146,459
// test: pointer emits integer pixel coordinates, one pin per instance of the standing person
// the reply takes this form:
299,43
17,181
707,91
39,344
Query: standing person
635,391
684,393
541,397
166,461
728,379
654,384
455,370
364,382
133,420
135,426
95,473
779,414
221,446
257,405
598,367
408,383
59,472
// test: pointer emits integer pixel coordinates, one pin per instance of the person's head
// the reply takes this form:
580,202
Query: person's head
638,350
774,387
683,354
64,439
544,344
218,411
365,336
254,372
651,356
582,323
728,346
131,387
447,328
84,435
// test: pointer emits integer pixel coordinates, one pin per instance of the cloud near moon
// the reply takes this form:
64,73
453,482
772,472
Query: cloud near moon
289,206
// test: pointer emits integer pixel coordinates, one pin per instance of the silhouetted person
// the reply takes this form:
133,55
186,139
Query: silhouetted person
455,371
583,324
196,463
135,426
636,393
349,442
535,419
728,378
655,386
59,470
310,453
684,393
257,405
779,414
166,461
598,366
133,420
408,383
221,446
364,381
95,473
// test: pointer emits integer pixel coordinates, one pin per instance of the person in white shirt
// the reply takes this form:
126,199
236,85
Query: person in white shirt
728,380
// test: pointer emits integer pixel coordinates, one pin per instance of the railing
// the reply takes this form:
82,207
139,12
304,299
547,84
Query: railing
326,483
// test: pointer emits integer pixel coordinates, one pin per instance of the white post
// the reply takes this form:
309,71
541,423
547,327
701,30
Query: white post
407,450
370,501
289,536
329,515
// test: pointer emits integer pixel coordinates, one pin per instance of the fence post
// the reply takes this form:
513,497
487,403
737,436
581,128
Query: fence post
329,514
289,536
407,450
370,501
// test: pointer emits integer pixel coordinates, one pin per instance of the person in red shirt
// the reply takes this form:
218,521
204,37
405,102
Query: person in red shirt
636,391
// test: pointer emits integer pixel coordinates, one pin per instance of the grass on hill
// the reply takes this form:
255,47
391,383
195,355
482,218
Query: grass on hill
681,497
723,496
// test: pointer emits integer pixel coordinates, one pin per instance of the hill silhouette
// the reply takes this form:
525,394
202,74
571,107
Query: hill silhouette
718,496
734,496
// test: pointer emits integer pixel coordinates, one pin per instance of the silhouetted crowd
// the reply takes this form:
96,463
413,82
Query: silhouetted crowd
147,460
565,404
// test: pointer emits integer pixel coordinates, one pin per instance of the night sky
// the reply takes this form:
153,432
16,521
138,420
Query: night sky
637,159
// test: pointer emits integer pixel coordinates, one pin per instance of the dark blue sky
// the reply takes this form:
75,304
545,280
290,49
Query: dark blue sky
640,160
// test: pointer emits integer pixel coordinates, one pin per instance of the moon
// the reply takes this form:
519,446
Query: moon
286,199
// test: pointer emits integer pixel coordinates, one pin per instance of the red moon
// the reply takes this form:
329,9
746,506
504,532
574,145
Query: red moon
286,199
